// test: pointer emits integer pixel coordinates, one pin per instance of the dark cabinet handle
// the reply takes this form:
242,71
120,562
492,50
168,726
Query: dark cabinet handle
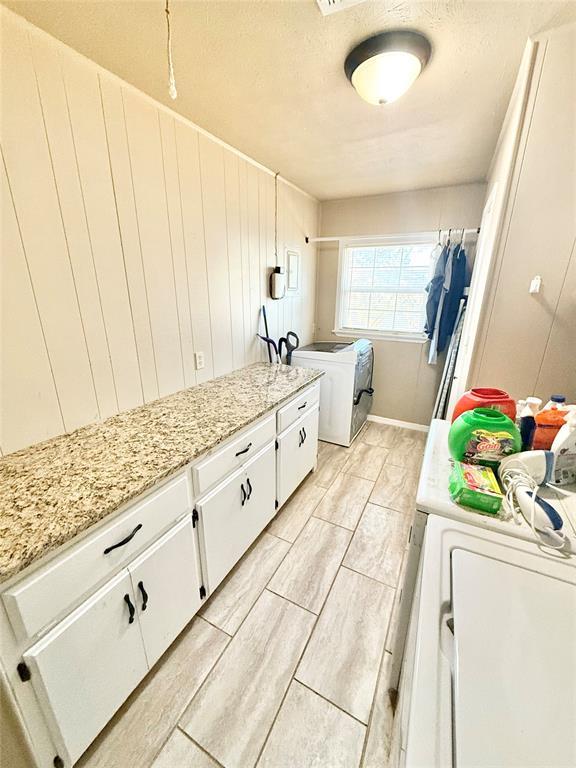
304,404
304,435
144,595
243,496
245,450
131,609
249,488
301,440
124,541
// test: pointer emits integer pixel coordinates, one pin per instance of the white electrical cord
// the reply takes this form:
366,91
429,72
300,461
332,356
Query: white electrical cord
515,479
171,79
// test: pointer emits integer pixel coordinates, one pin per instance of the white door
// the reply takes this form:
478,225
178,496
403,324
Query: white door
85,667
166,584
297,452
235,512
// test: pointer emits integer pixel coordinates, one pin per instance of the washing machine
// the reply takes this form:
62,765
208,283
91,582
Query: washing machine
489,675
346,388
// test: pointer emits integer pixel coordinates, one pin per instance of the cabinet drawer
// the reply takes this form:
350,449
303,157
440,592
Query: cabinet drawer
298,407
235,454
235,512
84,668
36,601
297,453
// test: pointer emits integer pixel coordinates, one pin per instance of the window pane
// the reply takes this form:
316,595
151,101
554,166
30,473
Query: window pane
359,300
387,278
381,302
362,257
409,322
356,318
361,278
384,287
381,321
388,256
410,302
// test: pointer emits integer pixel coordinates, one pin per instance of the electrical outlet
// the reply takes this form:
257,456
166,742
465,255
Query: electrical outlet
199,357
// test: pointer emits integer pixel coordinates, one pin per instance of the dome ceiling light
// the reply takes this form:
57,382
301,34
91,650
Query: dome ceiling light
384,66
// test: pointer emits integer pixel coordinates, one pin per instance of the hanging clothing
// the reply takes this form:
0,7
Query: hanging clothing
454,293
434,289
444,293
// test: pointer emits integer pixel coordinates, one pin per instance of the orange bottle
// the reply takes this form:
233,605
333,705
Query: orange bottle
548,423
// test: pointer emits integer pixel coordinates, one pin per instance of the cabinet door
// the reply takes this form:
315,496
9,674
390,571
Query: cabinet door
235,512
165,581
85,667
297,452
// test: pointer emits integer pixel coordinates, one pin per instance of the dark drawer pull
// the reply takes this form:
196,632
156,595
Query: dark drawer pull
131,608
302,406
243,495
144,595
245,450
124,541
249,488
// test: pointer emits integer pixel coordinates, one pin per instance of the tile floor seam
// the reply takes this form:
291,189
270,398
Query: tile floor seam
365,745
200,747
367,576
177,723
269,589
332,703
216,626
292,678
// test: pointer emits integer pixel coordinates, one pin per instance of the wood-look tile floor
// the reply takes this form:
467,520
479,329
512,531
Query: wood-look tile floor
287,664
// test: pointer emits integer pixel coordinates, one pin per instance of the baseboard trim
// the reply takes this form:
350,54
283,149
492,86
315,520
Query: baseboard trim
398,423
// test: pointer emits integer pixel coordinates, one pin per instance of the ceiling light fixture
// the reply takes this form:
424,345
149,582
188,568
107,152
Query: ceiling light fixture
383,67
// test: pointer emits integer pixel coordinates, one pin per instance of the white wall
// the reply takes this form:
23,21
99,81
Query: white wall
130,240
405,384
538,237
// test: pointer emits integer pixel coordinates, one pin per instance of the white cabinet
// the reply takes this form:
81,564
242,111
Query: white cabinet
85,668
41,597
235,512
298,407
166,585
297,453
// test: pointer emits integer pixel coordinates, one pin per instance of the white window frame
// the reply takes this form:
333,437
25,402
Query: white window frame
408,239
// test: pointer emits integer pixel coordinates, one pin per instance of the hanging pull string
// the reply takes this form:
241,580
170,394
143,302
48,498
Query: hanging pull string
276,215
171,79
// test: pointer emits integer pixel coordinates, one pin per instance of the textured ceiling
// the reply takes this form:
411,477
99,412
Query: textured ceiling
267,77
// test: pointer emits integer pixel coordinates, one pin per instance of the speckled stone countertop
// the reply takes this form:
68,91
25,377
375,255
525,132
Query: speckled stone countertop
52,491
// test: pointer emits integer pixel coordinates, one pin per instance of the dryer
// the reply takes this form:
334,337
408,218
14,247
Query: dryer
346,389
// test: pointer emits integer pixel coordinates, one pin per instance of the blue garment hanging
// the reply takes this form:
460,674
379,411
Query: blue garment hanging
454,293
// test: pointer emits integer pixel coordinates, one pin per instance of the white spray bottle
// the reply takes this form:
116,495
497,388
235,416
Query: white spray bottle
564,450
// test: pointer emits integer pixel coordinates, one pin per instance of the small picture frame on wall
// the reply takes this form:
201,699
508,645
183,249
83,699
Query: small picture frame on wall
292,270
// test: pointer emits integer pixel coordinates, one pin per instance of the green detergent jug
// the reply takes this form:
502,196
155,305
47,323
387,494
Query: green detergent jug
483,436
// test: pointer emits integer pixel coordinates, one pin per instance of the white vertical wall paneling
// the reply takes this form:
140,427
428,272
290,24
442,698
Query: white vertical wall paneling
29,169
126,209
254,252
29,403
214,208
61,142
193,225
145,150
172,188
234,245
85,105
245,258
106,223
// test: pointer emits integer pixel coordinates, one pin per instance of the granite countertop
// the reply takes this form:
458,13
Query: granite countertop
52,491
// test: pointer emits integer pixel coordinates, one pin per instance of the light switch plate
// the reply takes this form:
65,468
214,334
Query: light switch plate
199,358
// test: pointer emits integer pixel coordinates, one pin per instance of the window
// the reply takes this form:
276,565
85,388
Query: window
382,286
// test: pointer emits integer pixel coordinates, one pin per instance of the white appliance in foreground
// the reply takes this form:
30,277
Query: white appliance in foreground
489,676
346,389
